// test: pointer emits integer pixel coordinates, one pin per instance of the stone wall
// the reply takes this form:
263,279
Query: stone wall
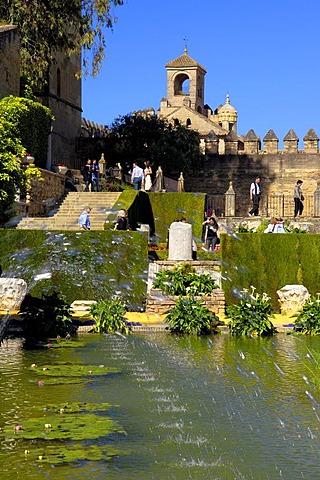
9,61
279,173
43,194
159,303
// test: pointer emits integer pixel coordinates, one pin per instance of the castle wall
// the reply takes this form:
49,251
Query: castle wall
279,173
64,101
9,61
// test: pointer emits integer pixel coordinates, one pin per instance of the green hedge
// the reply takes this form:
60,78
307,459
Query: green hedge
269,262
139,209
83,265
167,207
32,122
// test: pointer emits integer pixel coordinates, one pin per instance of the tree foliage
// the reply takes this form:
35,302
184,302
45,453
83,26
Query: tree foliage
137,138
31,123
11,150
47,27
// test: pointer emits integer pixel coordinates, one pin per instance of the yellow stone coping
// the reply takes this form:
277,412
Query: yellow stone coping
155,318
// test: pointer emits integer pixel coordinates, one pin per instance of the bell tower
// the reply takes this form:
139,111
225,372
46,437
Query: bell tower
185,83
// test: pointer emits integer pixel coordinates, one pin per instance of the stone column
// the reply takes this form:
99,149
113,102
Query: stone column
230,202
180,241
316,202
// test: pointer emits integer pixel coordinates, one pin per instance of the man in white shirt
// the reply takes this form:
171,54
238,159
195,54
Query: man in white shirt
255,194
136,176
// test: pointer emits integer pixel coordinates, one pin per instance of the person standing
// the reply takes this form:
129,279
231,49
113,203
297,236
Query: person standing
298,198
87,175
84,219
147,176
210,233
136,176
255,195
95,176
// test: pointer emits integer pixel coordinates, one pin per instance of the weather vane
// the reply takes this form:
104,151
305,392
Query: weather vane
185,45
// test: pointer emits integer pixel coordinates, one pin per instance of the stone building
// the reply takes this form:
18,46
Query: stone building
62,95
185,103
9,61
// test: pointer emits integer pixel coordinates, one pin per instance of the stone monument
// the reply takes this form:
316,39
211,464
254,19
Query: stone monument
292,298
12,292
180,241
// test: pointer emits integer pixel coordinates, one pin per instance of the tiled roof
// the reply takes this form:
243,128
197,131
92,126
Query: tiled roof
184,61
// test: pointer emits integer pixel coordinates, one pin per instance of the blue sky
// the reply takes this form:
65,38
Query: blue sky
264,54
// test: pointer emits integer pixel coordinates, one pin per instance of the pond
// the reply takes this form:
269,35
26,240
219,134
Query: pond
182,408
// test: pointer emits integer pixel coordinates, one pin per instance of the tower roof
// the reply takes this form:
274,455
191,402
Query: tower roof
227,107
184,61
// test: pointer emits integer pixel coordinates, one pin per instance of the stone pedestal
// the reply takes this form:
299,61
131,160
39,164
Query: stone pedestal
12,292
292,298
180,241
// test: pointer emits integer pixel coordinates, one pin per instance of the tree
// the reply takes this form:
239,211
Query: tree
50,26
31,122
11,150
136,138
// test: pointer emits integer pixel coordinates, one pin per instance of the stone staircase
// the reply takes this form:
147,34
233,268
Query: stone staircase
68,213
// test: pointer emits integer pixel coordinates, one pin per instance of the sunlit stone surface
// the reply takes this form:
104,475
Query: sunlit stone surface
292,298
180,241
12,292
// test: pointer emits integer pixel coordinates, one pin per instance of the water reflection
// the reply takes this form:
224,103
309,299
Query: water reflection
192,408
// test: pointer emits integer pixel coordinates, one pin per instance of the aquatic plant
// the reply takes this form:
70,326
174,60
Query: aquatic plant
109,316
72,370
307,319
183,280
192,317
251,316
46,317
64,427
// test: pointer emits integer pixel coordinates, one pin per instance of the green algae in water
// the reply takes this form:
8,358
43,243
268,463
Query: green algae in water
73,370
63,343
63,427
57,455
77,407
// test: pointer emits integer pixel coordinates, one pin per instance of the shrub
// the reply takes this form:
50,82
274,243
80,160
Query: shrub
308,319
191,317
251,316
109,316
31,122
46,317
183,280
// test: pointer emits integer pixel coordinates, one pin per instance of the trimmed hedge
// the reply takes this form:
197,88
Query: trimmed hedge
169,206
139,209
269,262
83,265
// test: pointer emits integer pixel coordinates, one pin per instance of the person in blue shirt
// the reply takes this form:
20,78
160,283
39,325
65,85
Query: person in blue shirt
95,176
84,219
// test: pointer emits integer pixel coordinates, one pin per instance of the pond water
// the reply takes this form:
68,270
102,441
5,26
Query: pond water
189,408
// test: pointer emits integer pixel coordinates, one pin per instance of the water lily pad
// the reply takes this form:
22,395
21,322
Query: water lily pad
77,407
64,427
73,370
56,455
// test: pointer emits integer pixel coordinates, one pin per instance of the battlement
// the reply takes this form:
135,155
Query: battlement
250,144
